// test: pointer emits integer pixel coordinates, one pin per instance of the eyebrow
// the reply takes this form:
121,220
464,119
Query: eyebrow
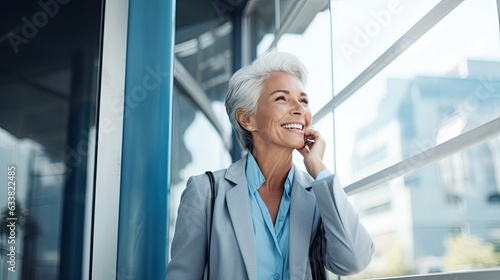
287,92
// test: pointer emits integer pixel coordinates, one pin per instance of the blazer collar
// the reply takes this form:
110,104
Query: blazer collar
238,204
235,173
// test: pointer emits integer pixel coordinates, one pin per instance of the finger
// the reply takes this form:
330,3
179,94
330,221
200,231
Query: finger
309,142
312,134
304,151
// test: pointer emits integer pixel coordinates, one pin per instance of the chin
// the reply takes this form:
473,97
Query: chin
297,146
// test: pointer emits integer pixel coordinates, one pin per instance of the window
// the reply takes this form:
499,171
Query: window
441,86
411,114
49,79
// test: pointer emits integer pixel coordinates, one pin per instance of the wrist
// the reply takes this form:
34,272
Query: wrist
315,167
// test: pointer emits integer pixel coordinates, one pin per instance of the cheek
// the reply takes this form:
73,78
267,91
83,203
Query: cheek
269,115
308,117
263,120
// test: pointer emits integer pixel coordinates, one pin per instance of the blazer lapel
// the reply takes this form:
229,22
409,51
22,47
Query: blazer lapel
301,224
301,220
238,204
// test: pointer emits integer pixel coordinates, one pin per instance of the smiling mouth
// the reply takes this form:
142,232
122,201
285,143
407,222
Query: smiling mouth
293,126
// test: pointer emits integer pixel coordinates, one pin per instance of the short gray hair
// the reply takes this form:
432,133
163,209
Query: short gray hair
246,84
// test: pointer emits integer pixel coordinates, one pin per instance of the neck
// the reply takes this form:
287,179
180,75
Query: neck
274,166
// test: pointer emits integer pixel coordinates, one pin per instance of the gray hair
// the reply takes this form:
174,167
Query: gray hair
246,84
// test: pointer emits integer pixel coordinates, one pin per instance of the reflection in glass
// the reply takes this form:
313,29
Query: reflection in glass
363,30
203,46
433,87
48,91
205,52
417,228
196,147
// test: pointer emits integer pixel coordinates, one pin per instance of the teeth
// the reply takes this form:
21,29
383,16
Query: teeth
293,126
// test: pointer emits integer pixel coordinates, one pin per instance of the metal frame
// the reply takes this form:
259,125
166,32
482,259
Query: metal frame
483,133
478,135
109,150
435,15
484,274
288,23
147,135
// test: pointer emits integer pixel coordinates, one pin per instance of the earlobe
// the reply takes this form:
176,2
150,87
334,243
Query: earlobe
244,120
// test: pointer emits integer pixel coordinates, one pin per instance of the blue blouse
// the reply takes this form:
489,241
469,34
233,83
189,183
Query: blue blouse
271,241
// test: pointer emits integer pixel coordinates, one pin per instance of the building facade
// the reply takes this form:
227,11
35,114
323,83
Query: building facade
416,214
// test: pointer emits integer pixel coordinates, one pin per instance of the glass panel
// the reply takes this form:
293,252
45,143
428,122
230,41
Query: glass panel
363,30
313,47
192,154
285,9
262,26
444,217
48,91
205,52
445,84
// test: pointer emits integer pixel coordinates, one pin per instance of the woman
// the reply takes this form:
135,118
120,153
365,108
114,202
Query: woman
270,219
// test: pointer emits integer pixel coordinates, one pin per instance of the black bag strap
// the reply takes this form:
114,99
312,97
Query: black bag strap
212,201
317,256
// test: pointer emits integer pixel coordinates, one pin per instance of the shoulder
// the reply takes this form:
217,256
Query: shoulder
201,181
230,176
203,177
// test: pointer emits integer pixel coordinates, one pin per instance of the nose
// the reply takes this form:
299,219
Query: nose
298,108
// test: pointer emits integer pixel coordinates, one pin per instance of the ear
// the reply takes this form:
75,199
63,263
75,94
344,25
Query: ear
244,120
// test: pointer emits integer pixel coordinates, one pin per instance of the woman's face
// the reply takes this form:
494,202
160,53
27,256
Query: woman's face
282,113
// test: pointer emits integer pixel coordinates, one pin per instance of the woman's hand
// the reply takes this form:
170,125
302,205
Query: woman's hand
313,152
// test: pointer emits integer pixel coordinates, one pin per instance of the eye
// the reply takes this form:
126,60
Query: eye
305,101
281,97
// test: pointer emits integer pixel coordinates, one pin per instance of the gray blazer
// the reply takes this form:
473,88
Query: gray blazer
345,245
